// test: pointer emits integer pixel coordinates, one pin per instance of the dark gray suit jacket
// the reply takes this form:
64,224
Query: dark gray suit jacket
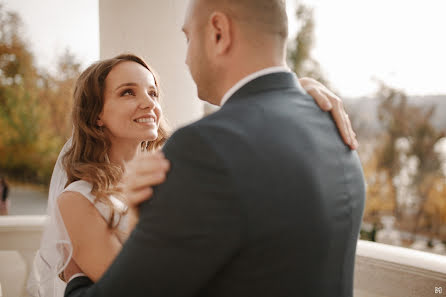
263,199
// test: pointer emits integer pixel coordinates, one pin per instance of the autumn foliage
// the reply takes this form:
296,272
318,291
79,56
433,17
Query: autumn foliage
405,167
34,106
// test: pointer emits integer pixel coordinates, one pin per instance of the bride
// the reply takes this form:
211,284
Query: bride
116,109
109,166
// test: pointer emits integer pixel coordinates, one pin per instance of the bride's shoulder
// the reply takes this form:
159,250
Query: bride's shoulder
79,185
76,190
80,217
74,208
75,195
77,198
79,188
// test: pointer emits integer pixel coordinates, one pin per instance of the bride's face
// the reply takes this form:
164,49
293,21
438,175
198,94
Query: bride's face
131,108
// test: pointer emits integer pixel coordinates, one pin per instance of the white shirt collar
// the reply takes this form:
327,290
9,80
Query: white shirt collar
251,77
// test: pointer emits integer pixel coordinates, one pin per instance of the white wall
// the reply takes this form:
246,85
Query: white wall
152,29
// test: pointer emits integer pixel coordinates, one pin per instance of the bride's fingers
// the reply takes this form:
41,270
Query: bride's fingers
354,145
341,122
148,168
318,91
149,155
321,99
140,196
144,181
142,165
155,179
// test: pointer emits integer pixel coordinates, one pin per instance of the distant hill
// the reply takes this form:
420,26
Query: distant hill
363,111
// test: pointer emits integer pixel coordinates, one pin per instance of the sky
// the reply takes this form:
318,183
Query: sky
400,42
52,26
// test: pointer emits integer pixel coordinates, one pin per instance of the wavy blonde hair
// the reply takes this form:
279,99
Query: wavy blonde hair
87,158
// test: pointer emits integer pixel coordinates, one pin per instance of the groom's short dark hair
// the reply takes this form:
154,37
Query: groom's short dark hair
265,16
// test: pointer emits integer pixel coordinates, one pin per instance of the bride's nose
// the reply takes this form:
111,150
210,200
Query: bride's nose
147,101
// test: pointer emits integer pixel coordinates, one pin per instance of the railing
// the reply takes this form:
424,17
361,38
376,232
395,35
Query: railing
388,271
19,241
381,270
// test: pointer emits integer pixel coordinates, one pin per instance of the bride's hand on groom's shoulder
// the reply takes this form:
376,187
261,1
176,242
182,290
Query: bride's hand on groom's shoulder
141,174
328,101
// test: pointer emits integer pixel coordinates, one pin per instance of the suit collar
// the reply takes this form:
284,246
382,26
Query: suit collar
265,83
249,78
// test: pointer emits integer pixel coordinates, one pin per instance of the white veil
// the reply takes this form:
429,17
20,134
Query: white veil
55,247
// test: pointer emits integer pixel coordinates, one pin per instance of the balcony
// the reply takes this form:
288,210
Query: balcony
389,271
381,270
19,240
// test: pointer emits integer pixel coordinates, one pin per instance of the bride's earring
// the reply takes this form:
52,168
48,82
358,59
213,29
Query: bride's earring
100,124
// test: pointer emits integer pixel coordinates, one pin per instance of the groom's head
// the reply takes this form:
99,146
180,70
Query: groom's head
229,39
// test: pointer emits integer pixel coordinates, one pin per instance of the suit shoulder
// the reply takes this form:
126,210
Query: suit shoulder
206,126
209,136
185,134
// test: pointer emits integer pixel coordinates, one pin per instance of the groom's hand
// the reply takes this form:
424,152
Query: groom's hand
328,101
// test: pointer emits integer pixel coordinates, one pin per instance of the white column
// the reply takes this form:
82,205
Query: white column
152,29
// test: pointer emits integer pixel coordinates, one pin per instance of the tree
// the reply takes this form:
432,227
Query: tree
58,94
379,189
434,211
19,110
300,59
34,106
407,152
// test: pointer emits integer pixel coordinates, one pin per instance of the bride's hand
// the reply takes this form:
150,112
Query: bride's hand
328,101
141,174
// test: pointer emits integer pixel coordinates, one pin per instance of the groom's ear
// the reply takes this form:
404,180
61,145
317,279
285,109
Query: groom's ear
221,36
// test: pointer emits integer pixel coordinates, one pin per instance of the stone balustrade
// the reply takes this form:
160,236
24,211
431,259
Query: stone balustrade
19,241
388,271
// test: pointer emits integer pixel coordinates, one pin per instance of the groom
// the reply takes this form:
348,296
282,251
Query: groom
263,197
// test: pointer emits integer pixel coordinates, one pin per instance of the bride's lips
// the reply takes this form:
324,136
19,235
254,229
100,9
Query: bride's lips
146,120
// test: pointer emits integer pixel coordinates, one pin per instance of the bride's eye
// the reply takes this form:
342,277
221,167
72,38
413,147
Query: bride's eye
128,92
153,94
